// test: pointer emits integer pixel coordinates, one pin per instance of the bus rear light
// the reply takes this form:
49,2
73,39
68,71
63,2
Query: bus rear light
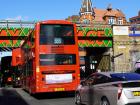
37,69
78,75
119,90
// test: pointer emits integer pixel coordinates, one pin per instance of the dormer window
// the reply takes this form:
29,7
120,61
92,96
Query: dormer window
111,20
120,21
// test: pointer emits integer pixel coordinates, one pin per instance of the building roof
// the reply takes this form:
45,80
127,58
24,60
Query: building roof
110,13
135,17
119,13
100,13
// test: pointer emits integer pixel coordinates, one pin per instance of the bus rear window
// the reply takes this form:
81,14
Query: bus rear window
57,34
57,59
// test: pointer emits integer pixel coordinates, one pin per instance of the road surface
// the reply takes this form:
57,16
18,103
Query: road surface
17,96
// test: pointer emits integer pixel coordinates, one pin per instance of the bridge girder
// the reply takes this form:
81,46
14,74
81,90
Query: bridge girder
12,33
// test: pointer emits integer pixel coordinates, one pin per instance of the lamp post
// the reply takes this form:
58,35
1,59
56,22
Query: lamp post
112,59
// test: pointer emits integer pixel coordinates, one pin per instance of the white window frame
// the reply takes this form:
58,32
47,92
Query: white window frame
111,20
120,21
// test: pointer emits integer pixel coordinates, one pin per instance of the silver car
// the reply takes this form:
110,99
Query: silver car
109,89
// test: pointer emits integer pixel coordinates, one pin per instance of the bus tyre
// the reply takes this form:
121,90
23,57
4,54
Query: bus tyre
78,99
105,101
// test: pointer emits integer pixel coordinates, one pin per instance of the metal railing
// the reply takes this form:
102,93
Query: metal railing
17,23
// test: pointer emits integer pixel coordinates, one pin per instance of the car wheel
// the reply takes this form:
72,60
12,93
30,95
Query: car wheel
105,101
78,99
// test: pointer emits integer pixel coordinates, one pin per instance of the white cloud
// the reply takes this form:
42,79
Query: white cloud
18,18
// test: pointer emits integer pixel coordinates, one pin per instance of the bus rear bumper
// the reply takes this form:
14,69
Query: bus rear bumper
45,89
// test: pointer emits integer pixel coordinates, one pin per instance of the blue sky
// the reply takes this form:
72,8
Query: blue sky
59,9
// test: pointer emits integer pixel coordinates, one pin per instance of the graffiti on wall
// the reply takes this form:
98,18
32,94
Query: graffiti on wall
85,32
14,31
10,43
10,33
82,32
95,43
94,32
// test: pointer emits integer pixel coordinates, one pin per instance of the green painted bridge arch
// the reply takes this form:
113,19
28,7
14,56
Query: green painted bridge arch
12,33
11,37
95,35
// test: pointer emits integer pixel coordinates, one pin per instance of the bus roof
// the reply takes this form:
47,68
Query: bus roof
55,22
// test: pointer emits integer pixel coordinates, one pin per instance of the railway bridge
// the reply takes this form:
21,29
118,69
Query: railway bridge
95,41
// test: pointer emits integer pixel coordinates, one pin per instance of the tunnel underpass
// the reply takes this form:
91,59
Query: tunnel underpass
12,35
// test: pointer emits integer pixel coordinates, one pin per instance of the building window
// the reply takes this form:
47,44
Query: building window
120,21
86,21
138,19
111,20
131,21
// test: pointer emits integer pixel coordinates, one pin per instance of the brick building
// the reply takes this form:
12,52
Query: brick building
129,45
135,35
108,15
135,19
88,14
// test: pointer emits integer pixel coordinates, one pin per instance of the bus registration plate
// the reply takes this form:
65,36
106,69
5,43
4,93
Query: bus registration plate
59,89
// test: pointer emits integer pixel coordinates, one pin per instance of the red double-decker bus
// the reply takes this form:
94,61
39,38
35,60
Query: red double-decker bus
50,58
